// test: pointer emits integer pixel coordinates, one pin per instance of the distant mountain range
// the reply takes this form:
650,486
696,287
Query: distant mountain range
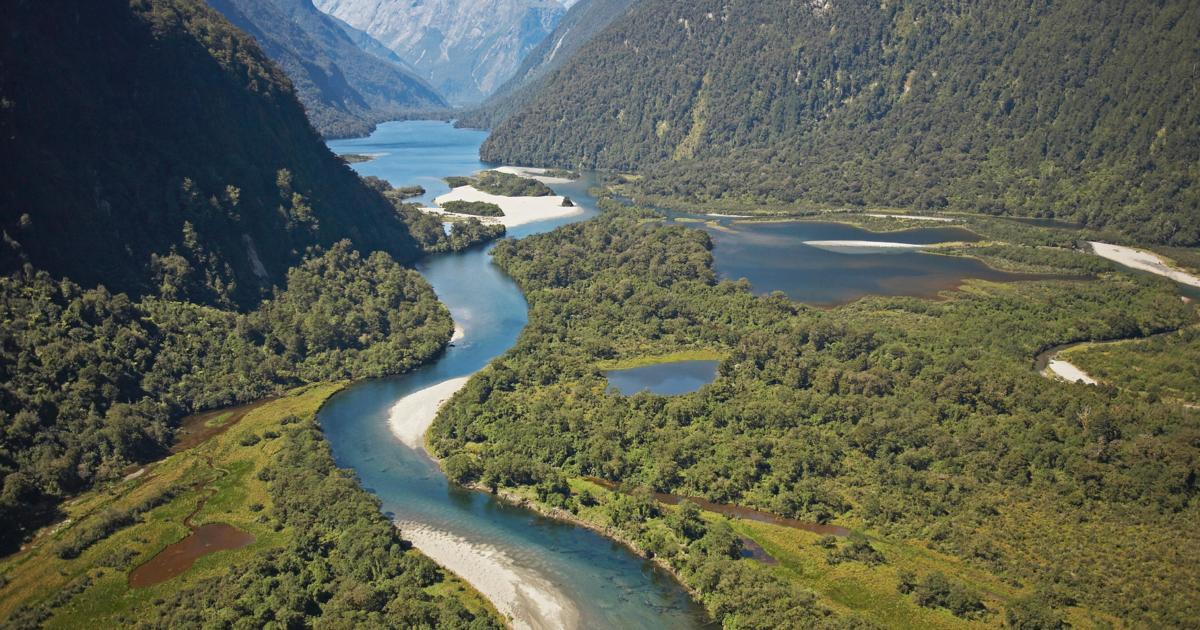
151,142
346,80
1080,110
465,48
584,20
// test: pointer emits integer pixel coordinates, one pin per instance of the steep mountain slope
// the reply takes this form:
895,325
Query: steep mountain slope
372,46
465,48
1088,111
583,21
178,157
344,89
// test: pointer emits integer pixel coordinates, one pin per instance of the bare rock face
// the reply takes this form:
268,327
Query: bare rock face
465,48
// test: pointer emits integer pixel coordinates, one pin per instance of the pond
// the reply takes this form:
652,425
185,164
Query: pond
664,379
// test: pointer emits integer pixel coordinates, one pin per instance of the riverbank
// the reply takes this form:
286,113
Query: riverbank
526,599
411,416
515,499
517,210
1143,261
1068,372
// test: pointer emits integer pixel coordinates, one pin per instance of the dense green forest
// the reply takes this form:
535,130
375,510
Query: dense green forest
1086,111
344,89
180,149
93,381
912,419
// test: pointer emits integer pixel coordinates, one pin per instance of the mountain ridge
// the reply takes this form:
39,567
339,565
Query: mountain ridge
465,49
179,158
344,88
1081,111
583,21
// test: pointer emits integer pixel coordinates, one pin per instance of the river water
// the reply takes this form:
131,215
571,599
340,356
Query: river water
607,585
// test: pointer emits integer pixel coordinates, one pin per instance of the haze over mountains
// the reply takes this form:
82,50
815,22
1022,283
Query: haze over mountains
466,49
344,78
1084,111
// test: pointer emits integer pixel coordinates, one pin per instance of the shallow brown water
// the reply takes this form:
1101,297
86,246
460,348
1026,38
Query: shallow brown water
196,428
754,551
737,511
179,557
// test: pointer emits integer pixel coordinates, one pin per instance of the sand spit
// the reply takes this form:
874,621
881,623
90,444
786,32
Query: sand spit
411,416
1069,372
529,600
517,210
850,246
914,217
1144,261
533,173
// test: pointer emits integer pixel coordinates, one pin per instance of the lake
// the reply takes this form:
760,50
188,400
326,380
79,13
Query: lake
775,256
417,152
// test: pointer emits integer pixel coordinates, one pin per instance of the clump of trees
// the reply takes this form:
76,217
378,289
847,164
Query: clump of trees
503,184
477,208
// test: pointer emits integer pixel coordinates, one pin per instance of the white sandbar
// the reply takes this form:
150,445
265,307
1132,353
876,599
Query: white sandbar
1144,261
411,416
1069,372
914,217
517,210
527,599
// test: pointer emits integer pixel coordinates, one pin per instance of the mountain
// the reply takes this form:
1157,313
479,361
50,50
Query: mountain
344,88
178,157
1085,111
582,22
372,46
465,48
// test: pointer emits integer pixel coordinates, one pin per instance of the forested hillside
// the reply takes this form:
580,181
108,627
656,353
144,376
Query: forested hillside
1087,111
179,156
581,23
344,88
93,381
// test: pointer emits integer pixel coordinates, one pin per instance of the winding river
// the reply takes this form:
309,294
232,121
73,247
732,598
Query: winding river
552,574
541,572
